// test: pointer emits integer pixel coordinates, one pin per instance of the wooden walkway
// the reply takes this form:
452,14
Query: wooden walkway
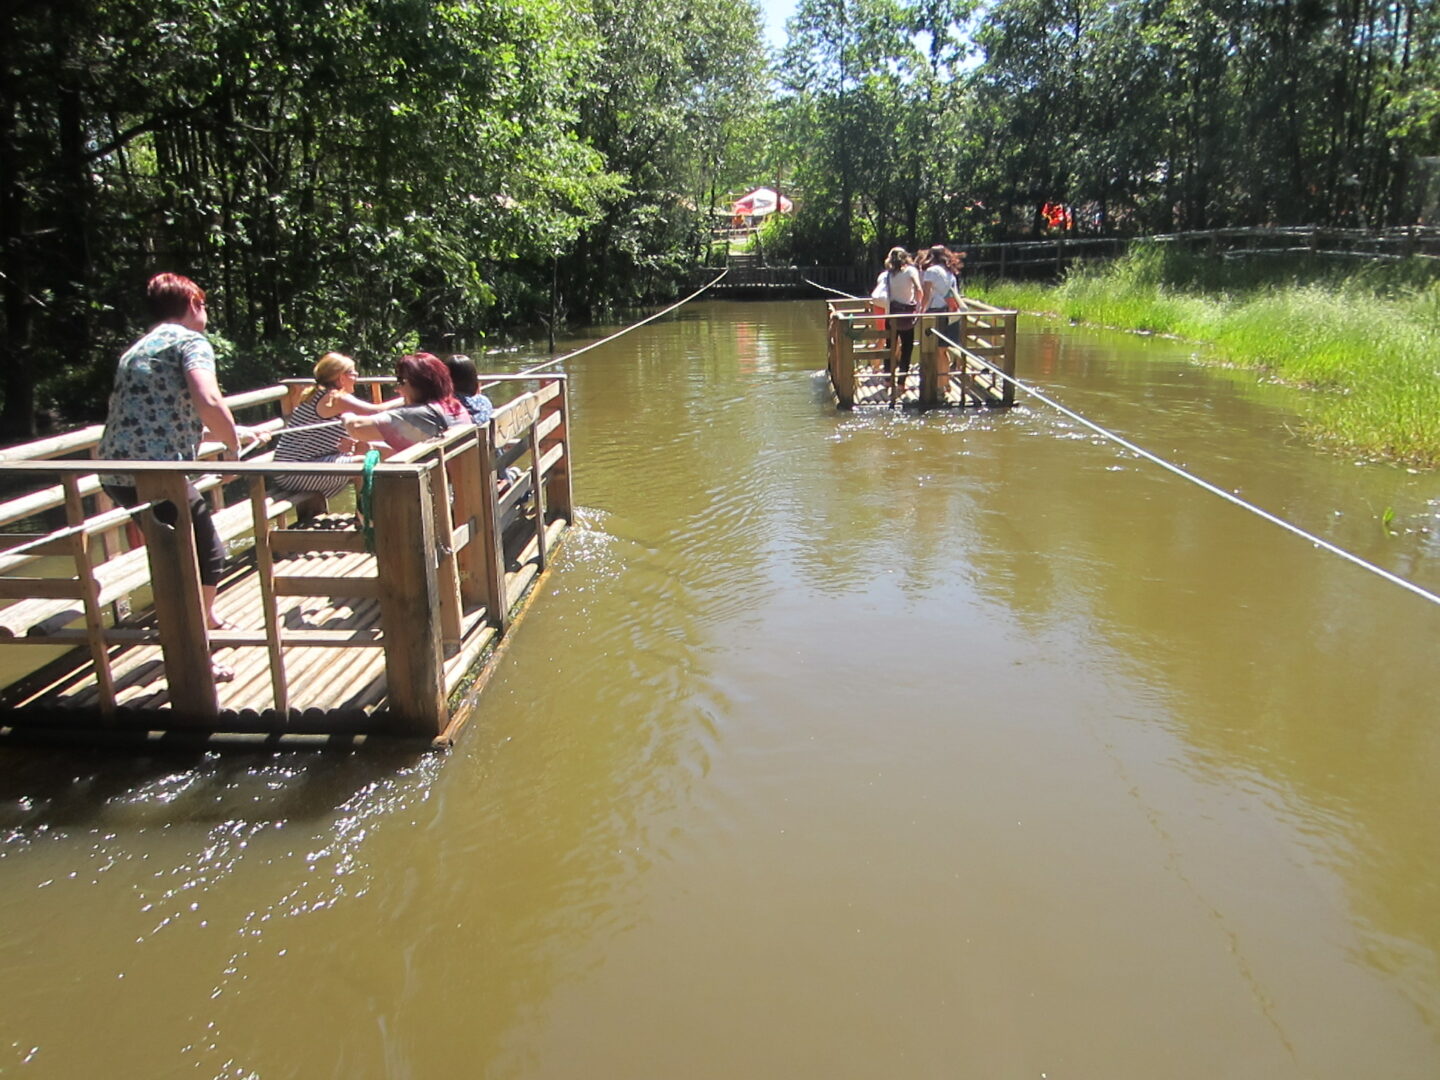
345,688
336,639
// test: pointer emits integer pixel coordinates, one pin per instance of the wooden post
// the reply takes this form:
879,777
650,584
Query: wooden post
409,600
491,543
537,494
85,571
832,347
845,372
1007,363
931,354
265,571
468,483
110,539
179,607
447,573
559,494
962,338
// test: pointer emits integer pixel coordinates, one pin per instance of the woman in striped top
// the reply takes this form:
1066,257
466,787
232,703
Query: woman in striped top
332,394
429,407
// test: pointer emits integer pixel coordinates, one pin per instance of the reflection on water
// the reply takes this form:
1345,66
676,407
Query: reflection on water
839,745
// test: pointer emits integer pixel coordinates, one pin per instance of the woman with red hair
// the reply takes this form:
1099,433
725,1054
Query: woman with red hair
166,401
430,407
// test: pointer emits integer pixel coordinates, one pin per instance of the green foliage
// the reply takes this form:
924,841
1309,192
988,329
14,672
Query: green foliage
1367,340
361,174
1142,116
677,88
862,118
777,239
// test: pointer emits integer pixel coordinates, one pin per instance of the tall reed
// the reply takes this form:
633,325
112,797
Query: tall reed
1366,338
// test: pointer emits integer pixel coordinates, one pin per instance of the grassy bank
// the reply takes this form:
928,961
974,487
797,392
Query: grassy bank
1366,338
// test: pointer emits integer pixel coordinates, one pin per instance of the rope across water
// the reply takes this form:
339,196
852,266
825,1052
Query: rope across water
619,333
1230,497
366,500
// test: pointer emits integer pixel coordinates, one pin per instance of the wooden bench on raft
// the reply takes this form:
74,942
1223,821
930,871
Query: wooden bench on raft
485,546
45,606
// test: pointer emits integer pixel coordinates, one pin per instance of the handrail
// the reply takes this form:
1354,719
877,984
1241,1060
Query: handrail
444,529
230,468
66,443
980,309
85,438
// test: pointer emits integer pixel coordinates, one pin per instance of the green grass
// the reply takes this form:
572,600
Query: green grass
1366,338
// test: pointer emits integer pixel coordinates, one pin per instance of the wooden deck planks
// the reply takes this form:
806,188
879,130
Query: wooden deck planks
329,679
319,661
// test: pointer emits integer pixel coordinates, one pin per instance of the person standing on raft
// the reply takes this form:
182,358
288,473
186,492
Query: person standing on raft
940,285
902,291
167,401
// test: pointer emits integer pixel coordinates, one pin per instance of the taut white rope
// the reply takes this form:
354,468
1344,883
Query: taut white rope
618,333
1394,579
827,288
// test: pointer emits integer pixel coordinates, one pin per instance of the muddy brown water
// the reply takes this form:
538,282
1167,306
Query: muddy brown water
869,745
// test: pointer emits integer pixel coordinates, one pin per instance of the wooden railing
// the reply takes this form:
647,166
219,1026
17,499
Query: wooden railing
453,554
985,336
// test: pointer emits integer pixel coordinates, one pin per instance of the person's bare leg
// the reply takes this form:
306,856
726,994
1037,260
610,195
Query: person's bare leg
208,593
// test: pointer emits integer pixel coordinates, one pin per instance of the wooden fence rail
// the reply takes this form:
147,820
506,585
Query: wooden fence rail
1056,253
857,347
463,525
1061,251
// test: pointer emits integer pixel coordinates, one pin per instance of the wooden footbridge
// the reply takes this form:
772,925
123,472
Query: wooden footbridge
955,376
340,633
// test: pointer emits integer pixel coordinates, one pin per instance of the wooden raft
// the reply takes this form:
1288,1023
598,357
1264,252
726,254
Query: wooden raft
335,642
940,376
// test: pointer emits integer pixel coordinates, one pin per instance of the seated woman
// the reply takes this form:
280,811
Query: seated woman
467,388
332,395
429,408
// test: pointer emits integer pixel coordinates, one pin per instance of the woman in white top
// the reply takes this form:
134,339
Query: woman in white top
902,291
938,283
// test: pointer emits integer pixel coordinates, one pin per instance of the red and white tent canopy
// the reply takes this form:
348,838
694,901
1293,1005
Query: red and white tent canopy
760,202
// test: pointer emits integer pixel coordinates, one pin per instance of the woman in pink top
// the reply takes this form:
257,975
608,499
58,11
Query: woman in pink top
430,408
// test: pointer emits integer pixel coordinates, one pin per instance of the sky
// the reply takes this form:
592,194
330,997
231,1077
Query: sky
776,12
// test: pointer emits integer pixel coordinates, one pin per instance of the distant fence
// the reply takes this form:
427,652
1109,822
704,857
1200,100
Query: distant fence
785,280
1031,256
1053,255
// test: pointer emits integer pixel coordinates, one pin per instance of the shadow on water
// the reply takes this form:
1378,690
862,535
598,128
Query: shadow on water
98,788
